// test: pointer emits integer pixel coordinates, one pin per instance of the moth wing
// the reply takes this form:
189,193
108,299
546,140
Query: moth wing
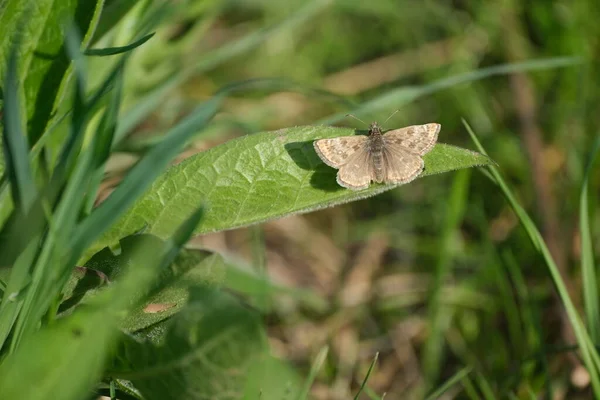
338,151
400,166
418,139
358,172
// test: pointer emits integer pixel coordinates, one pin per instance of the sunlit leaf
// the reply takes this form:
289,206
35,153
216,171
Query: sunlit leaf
259,177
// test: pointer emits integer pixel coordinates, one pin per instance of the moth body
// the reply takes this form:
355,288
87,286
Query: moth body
375,146
391,158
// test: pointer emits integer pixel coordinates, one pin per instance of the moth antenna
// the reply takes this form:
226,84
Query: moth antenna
350,115
388,118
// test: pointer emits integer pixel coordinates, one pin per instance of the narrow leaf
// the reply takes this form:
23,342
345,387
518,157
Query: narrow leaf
143,174
109,51
220,55
315,368
16,149
190,267
207,351
454,379
439,318
364,382
256,178
106,132
588,351
68,368
404,95
588,269
113,12
68,359
74,140
45,66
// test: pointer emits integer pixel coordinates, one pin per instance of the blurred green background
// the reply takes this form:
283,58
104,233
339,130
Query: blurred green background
437,276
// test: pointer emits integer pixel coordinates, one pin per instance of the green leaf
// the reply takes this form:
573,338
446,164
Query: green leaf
109,51
589,353
271,379
439,318
82,282
256,178
364,382
14,140
168,295
315,368
207,352
105,134
208,61
407,94
203,268
44,64
255,287
453,380
143,174
68,356
113,12
49,276
56,357
588,269
74,140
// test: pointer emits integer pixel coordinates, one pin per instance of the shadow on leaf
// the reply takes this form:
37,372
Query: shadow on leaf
304,156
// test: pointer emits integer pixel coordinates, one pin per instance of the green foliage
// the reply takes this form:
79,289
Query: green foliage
106,297
256,178
43,63
588,269
207,351
586,346
190,268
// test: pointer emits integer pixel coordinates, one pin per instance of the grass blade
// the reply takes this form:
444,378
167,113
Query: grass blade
66,368
48,275
457,377
484,386
364,382
142,175
405,95
16,149
588,269
74,141
109,51
588,352
248,42
105,136
314,370
433,351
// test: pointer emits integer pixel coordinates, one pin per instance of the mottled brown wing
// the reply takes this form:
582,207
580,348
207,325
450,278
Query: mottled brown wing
337,151
399,165
357,173
417,139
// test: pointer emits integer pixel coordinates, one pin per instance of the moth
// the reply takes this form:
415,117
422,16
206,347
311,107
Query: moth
393,157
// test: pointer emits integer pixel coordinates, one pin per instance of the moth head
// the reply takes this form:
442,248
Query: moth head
374,129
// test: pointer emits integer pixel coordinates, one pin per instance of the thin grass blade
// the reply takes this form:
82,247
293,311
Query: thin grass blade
588,269
105,136
457,377
588,351
405,95
312,375
224,53
109,51
142,175
48,273
16,149
364,382
438,320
